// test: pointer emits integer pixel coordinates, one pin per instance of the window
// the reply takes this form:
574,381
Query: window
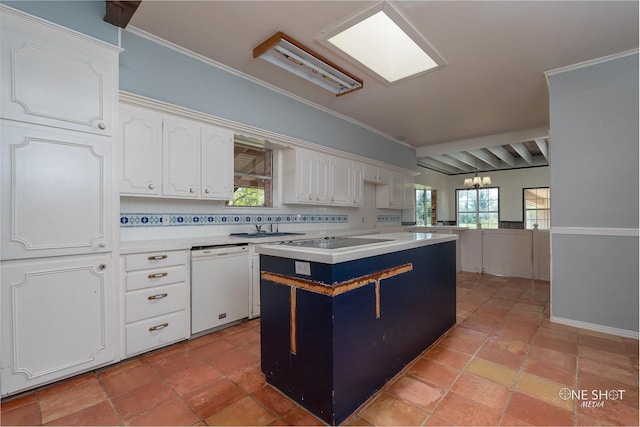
425,206
537,207
468,208
253,173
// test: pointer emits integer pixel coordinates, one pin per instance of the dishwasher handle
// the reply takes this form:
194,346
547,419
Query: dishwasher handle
219,251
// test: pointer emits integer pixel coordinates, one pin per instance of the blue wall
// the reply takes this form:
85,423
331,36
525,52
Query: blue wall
594,194
83,16
158,72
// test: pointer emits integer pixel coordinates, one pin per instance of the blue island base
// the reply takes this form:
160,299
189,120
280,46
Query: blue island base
330,340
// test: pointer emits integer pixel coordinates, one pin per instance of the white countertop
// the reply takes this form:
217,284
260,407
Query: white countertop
396,242
138,246
427,228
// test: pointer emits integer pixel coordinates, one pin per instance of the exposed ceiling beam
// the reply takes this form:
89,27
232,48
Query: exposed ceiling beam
453,162
544,149
119,13
486,157
483,142
465,158
523,152
430,163
503,155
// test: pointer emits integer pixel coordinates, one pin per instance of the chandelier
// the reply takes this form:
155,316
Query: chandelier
477,181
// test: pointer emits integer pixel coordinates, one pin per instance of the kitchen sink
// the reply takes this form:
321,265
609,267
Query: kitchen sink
265,234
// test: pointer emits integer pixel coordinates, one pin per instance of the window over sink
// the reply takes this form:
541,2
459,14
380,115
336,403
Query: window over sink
253,172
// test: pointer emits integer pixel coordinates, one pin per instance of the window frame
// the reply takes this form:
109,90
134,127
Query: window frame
480,211
524,208
272,178
430,210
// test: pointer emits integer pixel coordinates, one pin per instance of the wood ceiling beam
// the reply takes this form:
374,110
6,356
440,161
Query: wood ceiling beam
544,149
503,155
486,157
523,152
119,13
430,163
453,162
464,158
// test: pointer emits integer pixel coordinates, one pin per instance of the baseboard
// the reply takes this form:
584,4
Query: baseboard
594,327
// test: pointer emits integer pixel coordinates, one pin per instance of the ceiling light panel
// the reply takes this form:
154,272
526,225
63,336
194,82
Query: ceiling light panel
293,56
384,43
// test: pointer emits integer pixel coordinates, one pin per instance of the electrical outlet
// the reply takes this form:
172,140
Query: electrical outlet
303,268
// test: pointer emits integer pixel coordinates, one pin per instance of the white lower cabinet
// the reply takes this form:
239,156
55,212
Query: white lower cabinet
156,300
59,318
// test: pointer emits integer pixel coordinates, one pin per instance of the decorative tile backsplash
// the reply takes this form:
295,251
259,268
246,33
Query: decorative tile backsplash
170,219
387,219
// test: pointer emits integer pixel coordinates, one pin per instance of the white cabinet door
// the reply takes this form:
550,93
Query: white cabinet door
217,163
297,177
59,318
181,158
357,177
342,182
321,178
141,151
56,192
55,78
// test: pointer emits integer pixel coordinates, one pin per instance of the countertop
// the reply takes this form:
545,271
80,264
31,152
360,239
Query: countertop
396,242
427,228
138,246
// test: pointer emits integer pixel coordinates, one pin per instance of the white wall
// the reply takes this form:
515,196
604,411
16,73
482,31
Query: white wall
510,182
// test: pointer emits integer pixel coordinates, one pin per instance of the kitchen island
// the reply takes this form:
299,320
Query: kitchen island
340,317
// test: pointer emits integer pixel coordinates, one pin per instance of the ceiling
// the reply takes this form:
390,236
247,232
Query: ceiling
486,109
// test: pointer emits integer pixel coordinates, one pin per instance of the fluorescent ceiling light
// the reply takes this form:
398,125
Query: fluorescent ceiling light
383,42
296,58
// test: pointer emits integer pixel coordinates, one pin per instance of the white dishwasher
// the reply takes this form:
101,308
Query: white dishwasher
219,286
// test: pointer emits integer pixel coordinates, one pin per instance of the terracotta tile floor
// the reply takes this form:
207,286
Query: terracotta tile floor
503,363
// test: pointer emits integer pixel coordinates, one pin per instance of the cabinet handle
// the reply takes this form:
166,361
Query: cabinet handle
191,190
102,266
102,244
158,296
158,327
102,126
151,186
156,275
206,190
156,257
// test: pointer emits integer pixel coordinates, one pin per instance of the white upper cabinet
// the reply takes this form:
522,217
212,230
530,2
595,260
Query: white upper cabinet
346,182
376,174
398,194
141,151
164,155
217,163
56,192
312,177
56,78
181,157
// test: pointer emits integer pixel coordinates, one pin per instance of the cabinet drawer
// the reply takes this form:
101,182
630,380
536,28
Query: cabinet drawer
156,277
156,332
146,303
155,260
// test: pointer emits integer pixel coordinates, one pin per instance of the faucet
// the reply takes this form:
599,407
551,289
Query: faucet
259,228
